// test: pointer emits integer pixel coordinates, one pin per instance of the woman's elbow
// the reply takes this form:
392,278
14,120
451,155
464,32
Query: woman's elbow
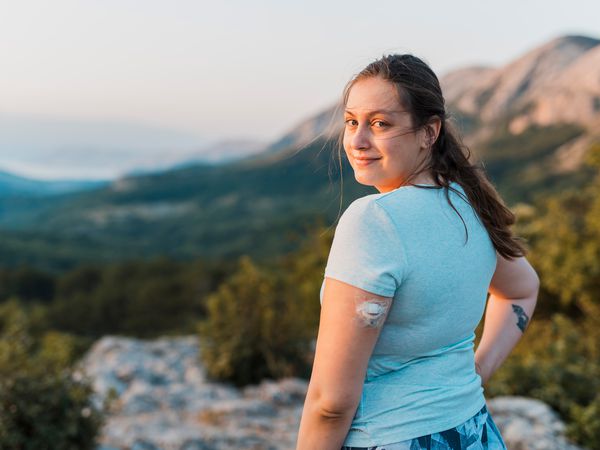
535,282
335,406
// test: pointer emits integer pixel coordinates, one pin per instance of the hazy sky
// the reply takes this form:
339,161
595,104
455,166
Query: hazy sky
231,69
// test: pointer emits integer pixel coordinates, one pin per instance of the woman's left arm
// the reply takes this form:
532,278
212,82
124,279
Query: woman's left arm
350,323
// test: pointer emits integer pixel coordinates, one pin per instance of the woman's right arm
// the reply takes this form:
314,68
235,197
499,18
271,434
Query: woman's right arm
513,296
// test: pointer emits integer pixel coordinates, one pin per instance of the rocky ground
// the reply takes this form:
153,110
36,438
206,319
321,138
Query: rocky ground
163,401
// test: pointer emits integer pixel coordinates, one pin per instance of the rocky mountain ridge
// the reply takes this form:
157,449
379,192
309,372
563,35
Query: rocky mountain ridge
555,83
497,93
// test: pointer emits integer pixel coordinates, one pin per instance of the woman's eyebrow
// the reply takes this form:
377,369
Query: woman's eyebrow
377,111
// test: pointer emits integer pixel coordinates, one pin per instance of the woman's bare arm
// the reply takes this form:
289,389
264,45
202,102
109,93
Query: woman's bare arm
513,296
350,324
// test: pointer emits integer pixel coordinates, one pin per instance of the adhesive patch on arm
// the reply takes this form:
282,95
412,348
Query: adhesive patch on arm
371,312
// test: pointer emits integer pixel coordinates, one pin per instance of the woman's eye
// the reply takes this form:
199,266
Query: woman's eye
377,123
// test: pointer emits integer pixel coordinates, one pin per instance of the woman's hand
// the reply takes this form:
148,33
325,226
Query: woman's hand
513,295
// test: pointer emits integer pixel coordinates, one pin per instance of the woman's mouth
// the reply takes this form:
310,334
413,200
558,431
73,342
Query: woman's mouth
365,162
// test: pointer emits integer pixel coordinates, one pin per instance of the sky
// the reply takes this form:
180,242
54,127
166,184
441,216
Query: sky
193,72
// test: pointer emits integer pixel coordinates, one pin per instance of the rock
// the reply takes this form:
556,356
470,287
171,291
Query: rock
242,408
165,402
287,391
144,445
139,399
527,423
196,444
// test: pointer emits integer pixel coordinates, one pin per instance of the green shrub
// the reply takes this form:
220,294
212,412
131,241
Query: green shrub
42,405
252,329
303,271
37,408
138,298
557,362
585,423
558,358
26,283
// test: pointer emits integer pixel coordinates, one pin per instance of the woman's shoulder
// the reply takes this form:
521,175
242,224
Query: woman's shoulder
366,220
392,205
366,208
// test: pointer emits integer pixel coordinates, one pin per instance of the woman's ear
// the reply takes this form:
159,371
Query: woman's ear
432,131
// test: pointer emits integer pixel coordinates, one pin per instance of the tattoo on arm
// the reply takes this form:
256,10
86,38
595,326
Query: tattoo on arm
523,319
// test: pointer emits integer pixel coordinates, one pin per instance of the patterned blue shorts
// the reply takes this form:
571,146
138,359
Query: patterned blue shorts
477,433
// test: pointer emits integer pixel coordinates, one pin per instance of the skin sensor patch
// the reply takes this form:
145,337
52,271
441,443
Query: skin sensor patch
371,312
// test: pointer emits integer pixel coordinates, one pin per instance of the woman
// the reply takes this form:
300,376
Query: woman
407,277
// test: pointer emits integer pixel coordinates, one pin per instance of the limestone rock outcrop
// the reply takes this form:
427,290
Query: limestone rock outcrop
163,400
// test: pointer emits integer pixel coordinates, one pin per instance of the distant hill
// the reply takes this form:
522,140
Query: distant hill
261,207
13,185
221,152
520,119
322,126
104,149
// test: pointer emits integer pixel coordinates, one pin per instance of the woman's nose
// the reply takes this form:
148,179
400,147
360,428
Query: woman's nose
360,139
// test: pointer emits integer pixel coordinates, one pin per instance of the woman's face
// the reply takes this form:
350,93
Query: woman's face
378,130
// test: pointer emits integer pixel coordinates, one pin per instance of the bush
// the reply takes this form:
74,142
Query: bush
252,329
26,283
40,400
557,362
37,408
138,298
585,423
558,358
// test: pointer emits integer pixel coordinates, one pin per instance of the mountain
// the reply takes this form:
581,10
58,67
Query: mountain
12,185
222,152
533,119
494,93
572,96
46,147
520,119
324,125
545,104
554,85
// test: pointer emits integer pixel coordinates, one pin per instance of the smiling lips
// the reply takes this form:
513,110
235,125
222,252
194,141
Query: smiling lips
365,161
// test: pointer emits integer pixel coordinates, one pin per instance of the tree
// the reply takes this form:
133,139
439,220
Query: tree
40,401
251,331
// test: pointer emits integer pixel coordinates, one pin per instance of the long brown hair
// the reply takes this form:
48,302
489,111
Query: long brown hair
449,159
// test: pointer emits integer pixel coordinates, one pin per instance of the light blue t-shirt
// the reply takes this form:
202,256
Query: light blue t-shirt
409,244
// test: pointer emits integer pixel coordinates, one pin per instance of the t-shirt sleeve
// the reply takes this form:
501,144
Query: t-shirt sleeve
366,251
